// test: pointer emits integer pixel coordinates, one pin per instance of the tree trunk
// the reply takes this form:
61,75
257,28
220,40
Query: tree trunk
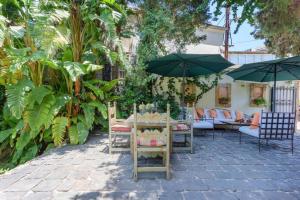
77,44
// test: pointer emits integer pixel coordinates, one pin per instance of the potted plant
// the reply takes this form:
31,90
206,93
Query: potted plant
190,98
223,100
260,101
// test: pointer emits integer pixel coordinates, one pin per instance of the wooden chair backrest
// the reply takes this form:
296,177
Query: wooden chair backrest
112,113
165,117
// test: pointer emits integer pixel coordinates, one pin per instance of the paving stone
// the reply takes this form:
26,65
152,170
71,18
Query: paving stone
279,196
12,195
196,195
38,195
47,185
219,195
219,169
23,185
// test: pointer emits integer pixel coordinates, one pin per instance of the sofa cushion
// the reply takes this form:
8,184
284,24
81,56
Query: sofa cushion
239,115
203,125
249,131
227,114
121,128
200,112
213,113
255,120
180,127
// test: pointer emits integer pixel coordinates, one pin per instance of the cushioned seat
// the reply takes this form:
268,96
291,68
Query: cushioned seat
180,127
203,125
121,128
249,131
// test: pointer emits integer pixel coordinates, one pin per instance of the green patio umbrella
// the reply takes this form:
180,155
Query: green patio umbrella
187,65
274,70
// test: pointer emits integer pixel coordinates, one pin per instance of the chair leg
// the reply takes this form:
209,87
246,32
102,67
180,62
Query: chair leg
109,143
259,145
240,137
293,146
168,165
213,133
135,165
192,140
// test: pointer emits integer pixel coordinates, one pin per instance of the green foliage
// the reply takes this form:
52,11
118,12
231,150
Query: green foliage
73,135
162,22
260,101
40,61
58,129
82,133
16,97
276,21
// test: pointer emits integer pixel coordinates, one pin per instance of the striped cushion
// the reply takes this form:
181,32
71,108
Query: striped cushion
121,128
180,127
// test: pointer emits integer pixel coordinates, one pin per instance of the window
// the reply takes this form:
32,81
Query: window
223,95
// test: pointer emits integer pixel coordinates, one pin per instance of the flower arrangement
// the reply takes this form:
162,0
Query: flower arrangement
146,107
223,100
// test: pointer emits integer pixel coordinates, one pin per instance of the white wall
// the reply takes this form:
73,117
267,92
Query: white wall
240,95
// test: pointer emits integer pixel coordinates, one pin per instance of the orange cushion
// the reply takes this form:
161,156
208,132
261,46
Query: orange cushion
196,117
239,115
227,114
200,112
121,128
180,127
255,121
213,113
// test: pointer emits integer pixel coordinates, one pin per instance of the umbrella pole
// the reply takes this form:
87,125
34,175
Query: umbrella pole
183,87
274,92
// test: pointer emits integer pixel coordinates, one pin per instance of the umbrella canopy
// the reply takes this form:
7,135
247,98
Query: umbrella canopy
274,70
188,65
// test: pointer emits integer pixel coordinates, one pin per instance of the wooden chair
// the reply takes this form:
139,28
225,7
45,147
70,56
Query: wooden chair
118,129
151,136
183,128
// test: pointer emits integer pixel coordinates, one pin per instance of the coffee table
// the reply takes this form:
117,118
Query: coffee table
230,126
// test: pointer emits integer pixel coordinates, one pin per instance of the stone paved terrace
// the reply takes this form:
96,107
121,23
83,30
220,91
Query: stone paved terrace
219,169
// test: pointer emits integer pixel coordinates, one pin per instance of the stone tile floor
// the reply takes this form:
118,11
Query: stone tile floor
219,169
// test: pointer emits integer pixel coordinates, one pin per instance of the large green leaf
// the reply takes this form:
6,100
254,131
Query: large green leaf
96,90
73,134
89,114
108,86
37,95
16,97
5,134
100,107
82,132
29,153
55,109
39,115
74,69
22,142
58,130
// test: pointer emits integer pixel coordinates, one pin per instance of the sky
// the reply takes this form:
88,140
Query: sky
243,39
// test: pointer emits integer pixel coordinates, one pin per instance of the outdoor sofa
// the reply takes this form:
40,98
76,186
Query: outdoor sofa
273,126
206,122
